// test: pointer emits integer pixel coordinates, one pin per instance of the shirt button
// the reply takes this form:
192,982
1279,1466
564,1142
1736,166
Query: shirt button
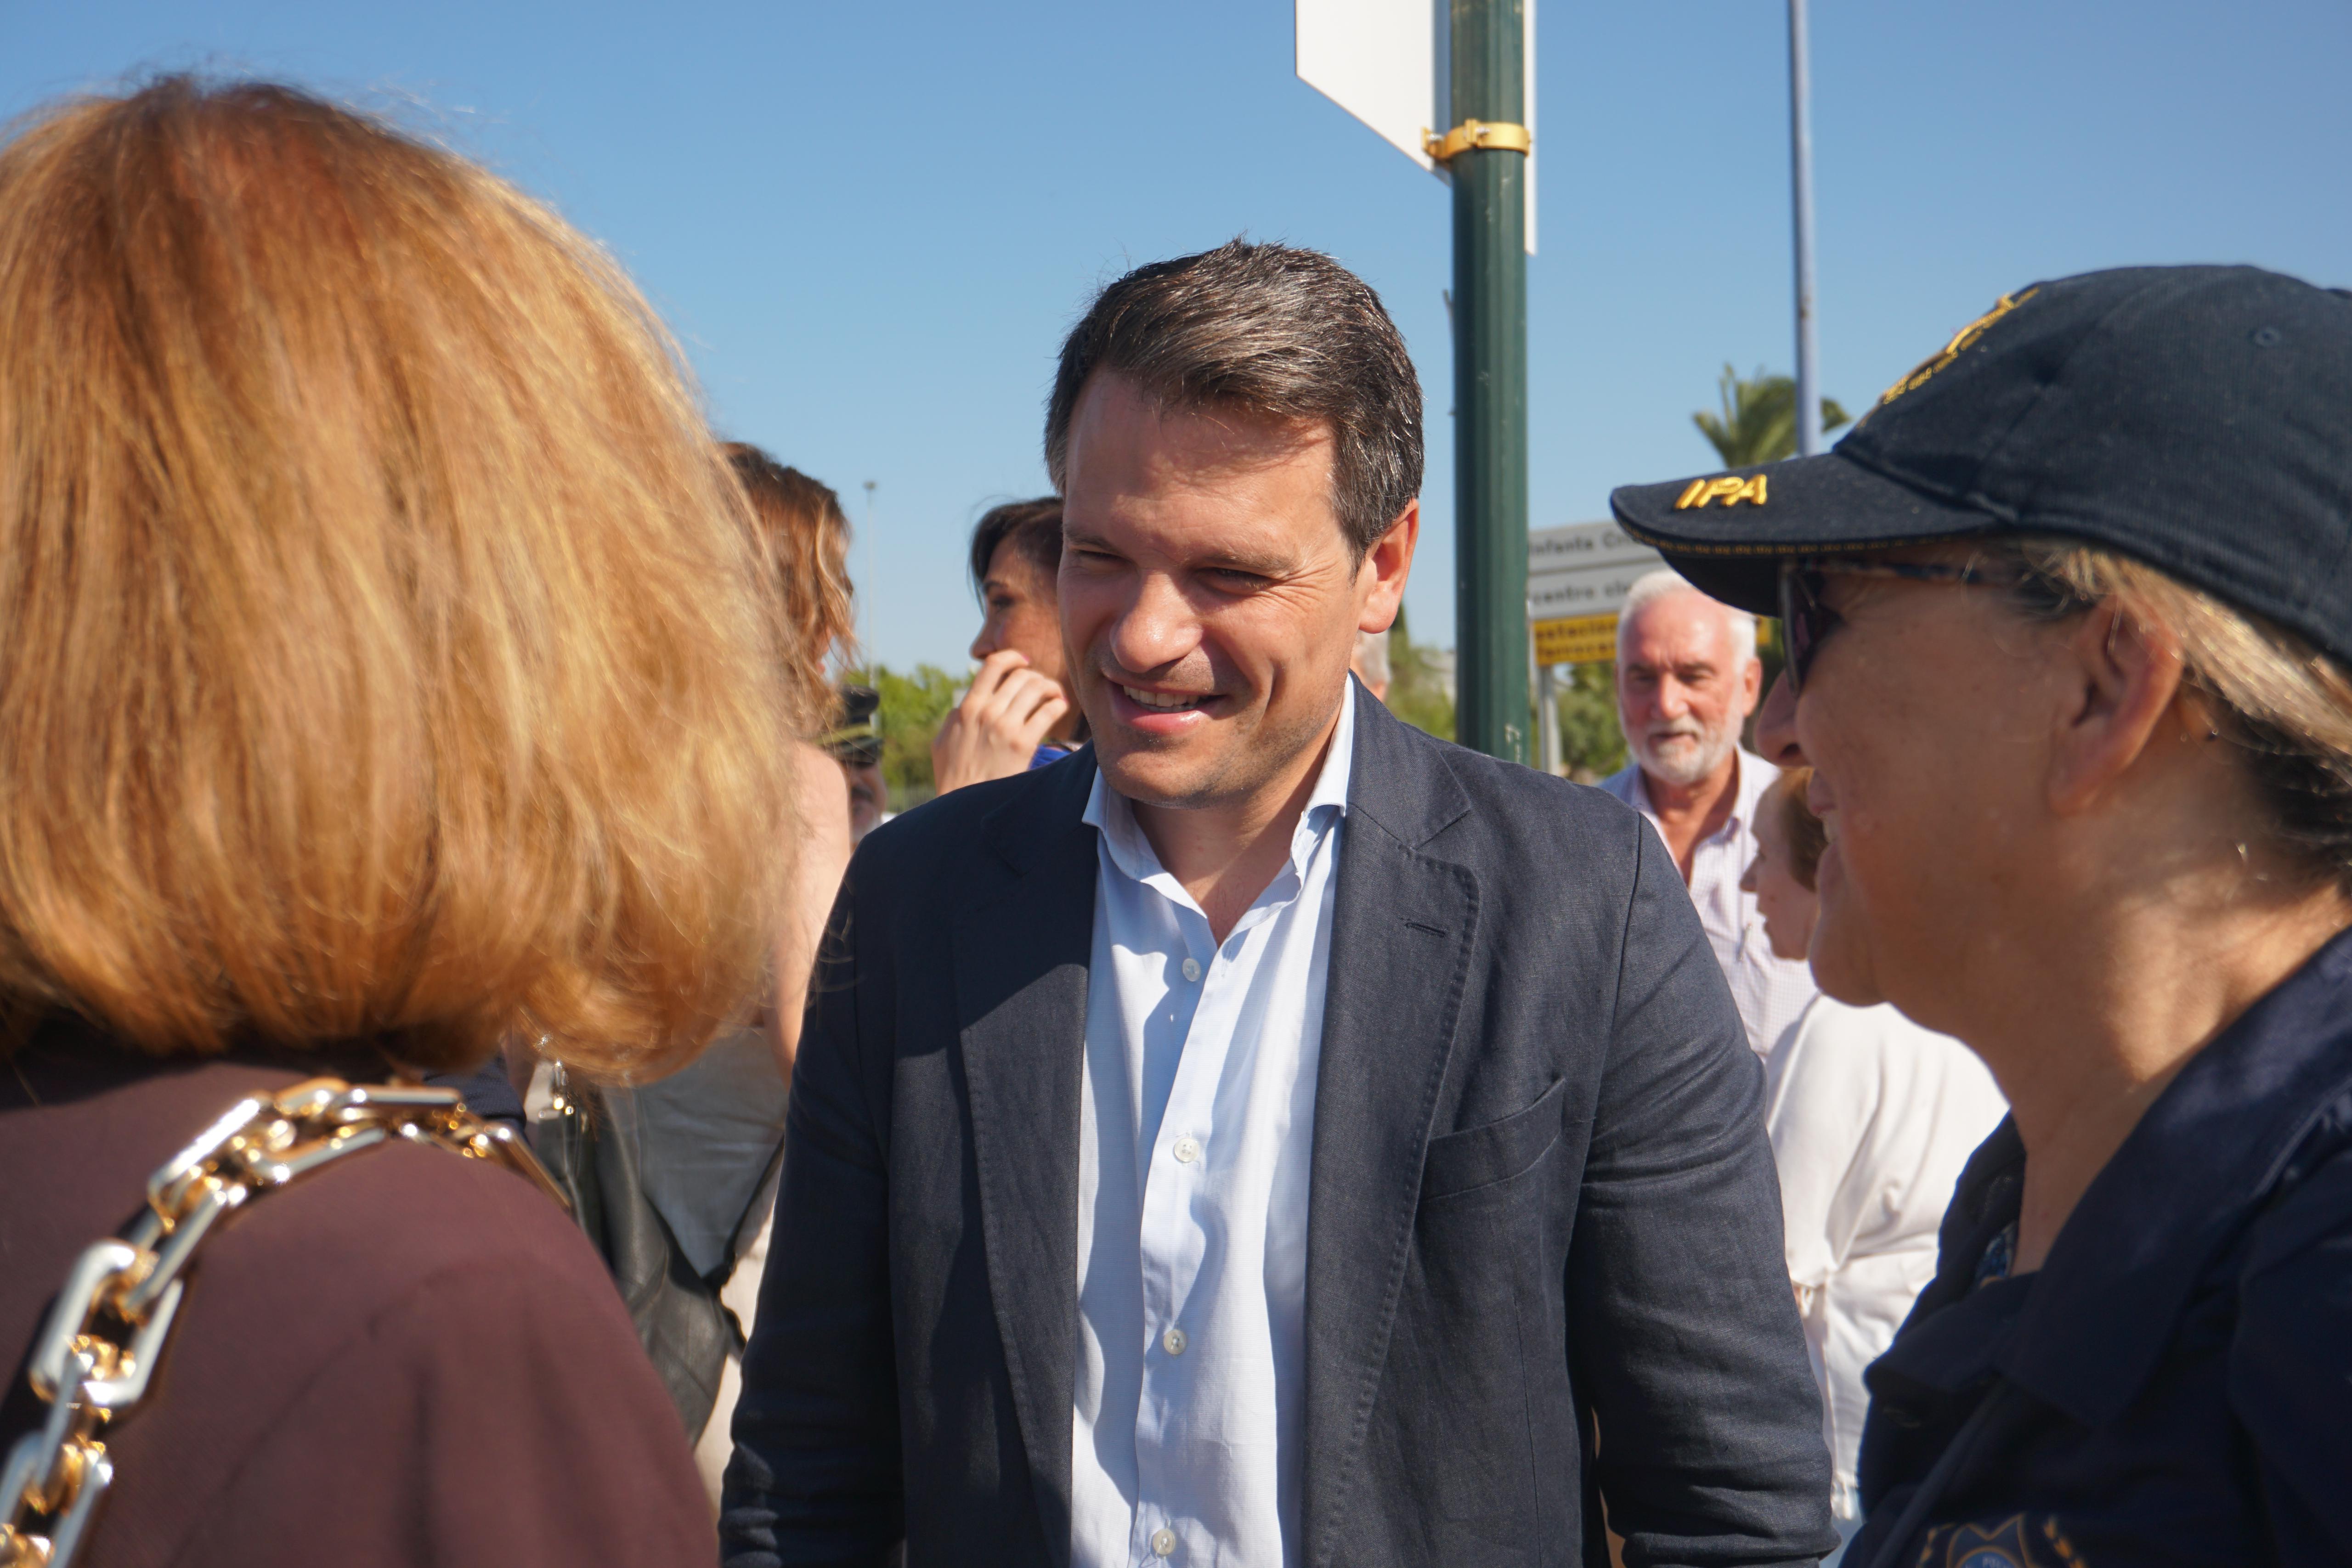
1174,1342
1163,1543
1186,1150
1191,969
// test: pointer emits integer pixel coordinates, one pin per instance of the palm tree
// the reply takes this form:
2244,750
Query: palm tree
1759,422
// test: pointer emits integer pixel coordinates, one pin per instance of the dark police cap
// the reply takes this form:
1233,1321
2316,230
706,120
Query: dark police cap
2196,418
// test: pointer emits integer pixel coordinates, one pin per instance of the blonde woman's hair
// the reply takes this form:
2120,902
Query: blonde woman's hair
383,659
2283,704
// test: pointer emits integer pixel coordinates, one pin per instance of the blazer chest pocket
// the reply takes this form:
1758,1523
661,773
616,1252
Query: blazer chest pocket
1482,1156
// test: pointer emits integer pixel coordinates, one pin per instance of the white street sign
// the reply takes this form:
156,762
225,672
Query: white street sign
1584,569
1581,545
1389,63
1577,578
1384,61
1599,591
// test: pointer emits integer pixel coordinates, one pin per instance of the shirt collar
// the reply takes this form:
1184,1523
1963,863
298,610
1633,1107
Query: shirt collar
1331,784
1752,777
1113,815
2177,1192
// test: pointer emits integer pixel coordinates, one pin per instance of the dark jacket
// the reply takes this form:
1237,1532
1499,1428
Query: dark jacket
405,1358
2176,1380
1541,1200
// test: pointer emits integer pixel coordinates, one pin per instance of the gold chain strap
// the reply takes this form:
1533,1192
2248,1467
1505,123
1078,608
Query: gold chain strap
93,1359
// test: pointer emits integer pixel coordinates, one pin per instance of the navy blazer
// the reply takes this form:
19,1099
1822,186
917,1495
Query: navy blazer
1542,1203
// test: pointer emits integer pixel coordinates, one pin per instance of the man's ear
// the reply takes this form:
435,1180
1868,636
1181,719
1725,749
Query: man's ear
1382,573
2121,679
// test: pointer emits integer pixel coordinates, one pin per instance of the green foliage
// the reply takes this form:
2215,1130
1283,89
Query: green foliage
1759,422
1417,684
1591,743
912,707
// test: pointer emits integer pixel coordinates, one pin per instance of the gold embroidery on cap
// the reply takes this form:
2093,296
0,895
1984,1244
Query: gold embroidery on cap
1962,340
1730,489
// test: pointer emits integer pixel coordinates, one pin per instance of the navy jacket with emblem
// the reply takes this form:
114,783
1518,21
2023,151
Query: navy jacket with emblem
2177,1375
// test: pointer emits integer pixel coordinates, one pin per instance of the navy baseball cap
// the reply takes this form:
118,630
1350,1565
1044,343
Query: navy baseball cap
2196,418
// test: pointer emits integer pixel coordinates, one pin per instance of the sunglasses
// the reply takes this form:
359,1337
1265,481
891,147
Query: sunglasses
1805,619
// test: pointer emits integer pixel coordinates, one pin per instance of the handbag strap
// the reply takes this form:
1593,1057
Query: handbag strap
111,1320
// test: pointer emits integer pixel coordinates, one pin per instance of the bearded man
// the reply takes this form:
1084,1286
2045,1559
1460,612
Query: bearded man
1687,678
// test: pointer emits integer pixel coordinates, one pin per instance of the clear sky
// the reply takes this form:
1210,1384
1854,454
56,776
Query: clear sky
871,223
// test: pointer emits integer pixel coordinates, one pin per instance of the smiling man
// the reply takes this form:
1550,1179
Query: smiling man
1271,1136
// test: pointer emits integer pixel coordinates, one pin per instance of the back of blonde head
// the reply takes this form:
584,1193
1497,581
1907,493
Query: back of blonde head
379,650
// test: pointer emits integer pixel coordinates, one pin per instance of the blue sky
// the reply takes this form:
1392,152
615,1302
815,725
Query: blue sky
871,223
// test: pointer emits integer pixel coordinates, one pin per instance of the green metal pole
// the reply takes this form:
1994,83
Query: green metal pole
1490,385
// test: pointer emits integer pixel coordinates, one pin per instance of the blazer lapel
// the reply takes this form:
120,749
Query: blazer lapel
1022,951
1402,928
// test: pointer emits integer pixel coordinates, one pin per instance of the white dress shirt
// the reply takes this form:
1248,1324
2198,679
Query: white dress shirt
1196,1128
1870,1118
1768,991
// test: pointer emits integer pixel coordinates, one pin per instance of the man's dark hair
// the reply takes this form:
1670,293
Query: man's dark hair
1034,530
1270,328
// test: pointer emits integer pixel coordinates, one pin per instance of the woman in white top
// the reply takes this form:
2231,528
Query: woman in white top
1870,1118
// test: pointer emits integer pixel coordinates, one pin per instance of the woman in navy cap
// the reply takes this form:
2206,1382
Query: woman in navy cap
2069,620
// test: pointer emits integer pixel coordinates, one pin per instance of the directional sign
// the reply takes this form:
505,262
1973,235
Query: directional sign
1390,64
1577,578
1578,639
1585,569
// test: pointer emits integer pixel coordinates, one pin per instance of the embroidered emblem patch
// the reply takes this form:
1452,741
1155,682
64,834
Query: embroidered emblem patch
1962,340
1731,489
2017,1541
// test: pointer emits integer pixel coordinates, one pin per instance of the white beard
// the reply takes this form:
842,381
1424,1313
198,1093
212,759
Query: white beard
1682,760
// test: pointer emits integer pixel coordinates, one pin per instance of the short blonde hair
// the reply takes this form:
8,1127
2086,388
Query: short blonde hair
2285,705
382,656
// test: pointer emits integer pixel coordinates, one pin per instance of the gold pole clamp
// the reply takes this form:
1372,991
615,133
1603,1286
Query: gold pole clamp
1474,136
